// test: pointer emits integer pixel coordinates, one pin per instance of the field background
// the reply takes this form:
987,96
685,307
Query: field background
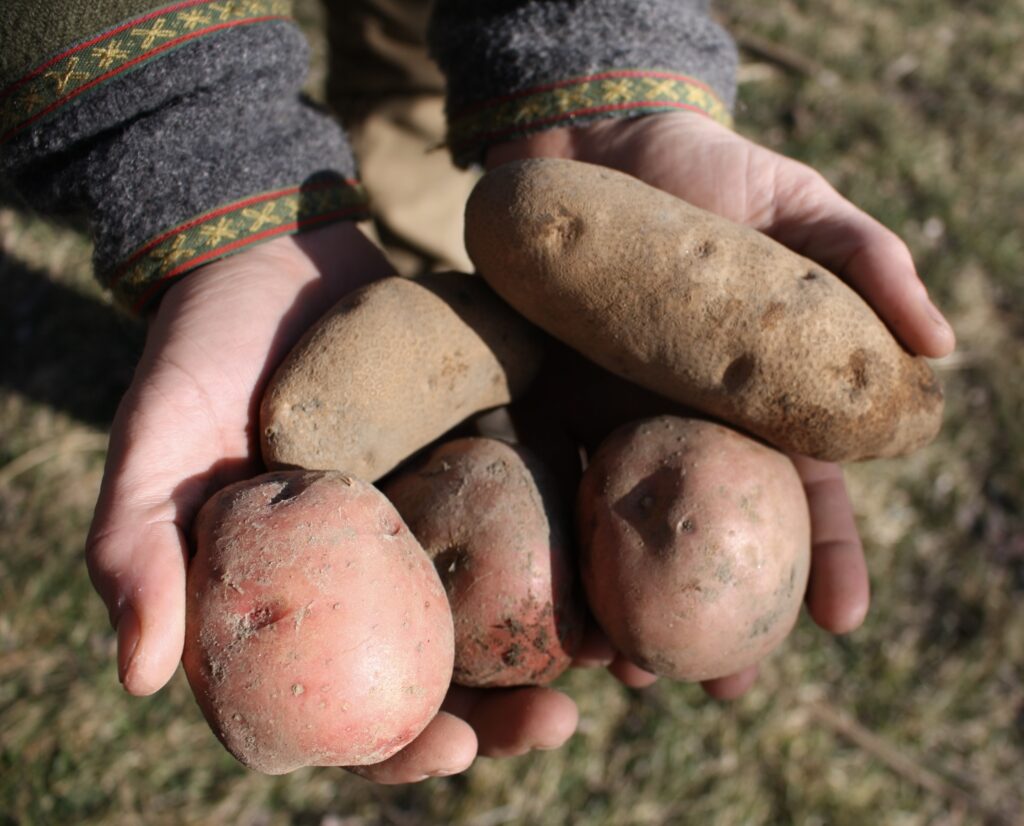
915,110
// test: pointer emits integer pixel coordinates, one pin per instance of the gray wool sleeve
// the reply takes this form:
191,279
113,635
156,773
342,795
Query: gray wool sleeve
513,68
189,157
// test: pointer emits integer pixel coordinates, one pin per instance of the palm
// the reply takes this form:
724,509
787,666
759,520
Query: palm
700,162
185,427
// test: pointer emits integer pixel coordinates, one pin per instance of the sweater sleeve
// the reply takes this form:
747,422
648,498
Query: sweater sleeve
515,68
179,131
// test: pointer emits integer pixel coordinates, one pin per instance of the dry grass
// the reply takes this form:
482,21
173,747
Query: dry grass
916,111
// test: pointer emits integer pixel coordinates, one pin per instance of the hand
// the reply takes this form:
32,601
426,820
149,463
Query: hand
694,158
187,427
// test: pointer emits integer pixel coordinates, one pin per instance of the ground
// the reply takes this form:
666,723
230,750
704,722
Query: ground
915,111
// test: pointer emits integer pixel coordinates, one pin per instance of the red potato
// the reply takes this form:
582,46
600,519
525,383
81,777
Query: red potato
489,516
695,546
317,630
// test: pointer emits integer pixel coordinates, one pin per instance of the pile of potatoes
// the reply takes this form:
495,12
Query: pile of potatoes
659,359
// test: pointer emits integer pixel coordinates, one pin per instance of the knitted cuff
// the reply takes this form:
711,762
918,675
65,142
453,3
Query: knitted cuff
514,68
575,102
182,135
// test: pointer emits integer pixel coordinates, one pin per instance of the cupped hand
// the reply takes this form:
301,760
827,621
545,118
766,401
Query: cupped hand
702,162
188,426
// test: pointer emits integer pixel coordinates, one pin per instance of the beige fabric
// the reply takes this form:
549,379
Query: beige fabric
390,96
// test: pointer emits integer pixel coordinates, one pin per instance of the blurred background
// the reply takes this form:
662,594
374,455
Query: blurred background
915,111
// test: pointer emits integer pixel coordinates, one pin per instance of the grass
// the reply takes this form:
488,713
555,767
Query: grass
916,112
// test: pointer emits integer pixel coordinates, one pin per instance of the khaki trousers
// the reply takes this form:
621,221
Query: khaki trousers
390,96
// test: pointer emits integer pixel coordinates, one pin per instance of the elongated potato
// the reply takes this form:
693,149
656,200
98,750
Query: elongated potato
317,630
695,546
711,314
489,516
390,368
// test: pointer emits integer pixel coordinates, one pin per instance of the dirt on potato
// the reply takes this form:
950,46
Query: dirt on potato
489,516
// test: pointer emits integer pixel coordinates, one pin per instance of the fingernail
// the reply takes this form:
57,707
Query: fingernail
128,633
443,772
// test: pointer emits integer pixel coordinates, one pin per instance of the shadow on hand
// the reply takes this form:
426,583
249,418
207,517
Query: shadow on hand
61,347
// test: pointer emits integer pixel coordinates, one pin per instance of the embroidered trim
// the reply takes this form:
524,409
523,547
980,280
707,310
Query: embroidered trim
620,91
229,229
65,76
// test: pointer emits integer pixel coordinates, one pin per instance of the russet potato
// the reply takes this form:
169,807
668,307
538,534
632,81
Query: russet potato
710,314
389,369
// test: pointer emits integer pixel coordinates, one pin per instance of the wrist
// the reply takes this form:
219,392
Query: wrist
322,265
611,142
292,279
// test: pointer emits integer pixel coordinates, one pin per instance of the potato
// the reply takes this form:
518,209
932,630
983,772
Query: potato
694,544
317,630
390,368
708,313
489,516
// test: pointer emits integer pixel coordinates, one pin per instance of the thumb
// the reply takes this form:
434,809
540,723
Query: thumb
137,562
156,477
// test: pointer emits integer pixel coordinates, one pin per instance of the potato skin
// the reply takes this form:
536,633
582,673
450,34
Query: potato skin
317,631
488,514
711,314
694,544
390,368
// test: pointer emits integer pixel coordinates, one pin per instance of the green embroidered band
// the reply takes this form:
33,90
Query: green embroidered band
67,75
628,92
228,229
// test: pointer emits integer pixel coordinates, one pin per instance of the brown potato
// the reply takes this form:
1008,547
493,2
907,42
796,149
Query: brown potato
489,516
317,631
389,369
710,314
695,546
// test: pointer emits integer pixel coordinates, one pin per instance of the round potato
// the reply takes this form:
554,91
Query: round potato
489,516
695,546
317,630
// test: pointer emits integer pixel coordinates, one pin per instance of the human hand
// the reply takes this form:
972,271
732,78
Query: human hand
187,427
694,158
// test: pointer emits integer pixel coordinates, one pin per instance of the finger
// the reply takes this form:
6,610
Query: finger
137,550
140,573
446,746
810,217
630,674
138,567
838,593
513,721
733,686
